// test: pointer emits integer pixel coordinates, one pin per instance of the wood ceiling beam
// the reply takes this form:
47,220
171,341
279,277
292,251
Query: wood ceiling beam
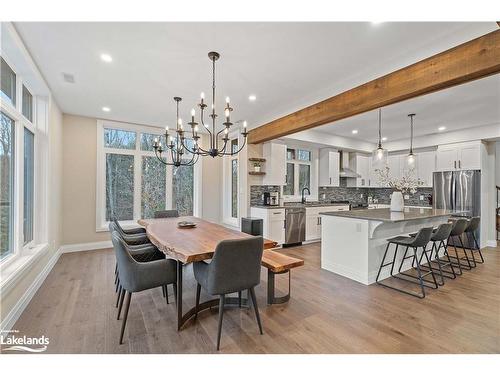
466,62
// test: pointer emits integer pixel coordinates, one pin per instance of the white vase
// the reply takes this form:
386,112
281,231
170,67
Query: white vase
397,201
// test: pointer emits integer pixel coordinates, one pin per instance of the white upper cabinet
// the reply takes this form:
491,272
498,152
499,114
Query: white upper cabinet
426,165
362,168
275,155
395,165
459,156
329,168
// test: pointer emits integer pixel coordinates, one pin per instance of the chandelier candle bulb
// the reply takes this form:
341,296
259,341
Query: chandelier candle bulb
227,100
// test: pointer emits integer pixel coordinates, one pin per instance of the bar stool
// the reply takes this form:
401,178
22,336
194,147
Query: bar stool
439,235
420,240
457,231
469,232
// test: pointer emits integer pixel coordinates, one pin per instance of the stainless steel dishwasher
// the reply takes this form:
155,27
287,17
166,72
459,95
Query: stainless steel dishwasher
295,225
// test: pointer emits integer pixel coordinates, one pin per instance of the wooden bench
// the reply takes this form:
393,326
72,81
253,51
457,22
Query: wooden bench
276,264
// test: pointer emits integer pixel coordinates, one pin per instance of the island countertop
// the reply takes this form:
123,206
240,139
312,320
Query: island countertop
386,215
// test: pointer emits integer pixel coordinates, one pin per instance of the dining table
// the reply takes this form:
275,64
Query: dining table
188,244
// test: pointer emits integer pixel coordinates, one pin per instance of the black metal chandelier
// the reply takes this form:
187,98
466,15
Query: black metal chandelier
218,138
175,145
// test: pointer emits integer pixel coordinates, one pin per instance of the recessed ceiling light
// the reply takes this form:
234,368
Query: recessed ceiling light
252,98
354,131
106,58
384,138
441,128
106,109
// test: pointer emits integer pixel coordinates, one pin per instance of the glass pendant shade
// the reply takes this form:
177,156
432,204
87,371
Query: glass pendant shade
379,155
379,158
410,164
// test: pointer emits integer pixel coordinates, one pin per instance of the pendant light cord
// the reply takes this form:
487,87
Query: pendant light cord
380,128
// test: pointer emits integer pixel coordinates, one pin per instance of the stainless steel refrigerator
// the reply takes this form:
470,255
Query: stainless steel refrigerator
461,191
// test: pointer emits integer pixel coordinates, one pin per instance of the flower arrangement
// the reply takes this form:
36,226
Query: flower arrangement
407,183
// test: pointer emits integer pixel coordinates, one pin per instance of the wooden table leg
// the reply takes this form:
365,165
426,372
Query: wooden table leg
179,295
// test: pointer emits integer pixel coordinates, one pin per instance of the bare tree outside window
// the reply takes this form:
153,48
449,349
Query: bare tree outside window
183,186
119,186
6,185
153,186
122,139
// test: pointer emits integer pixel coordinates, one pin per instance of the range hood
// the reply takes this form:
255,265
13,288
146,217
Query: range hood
345,170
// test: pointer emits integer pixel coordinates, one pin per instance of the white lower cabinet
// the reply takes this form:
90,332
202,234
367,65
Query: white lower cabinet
313,220
273,222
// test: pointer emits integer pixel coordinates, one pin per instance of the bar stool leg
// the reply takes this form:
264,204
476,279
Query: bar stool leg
382,263
456,257
420,279
394,259
471,266
432,270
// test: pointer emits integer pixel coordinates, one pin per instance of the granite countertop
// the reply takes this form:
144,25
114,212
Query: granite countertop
295,205
385,214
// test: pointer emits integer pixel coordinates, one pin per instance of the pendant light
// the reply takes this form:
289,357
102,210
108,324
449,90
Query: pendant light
411,159
379,156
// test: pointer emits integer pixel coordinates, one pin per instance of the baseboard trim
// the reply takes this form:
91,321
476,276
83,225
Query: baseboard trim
19,307
491,243
86,246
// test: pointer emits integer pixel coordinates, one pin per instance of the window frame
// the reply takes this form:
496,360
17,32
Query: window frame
21,123
313,172
138,153
227,197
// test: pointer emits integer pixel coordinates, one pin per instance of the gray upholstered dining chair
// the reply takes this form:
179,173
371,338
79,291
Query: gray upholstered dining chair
135,237
165,214
136,276
235,267
141,253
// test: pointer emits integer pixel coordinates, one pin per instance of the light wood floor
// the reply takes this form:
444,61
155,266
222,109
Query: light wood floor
326,314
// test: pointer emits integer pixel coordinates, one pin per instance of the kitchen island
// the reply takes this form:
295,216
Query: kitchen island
353,242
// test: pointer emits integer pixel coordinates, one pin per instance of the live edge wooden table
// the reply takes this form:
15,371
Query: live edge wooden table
190,245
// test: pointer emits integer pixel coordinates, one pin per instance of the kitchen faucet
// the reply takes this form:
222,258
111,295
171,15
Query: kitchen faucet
303,197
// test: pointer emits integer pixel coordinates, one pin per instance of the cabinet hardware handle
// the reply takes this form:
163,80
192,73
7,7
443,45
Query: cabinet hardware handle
459,164
319,220
455,162
330,180
284,224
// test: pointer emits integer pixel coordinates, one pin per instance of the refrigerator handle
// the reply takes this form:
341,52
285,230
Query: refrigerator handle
454,190
455,164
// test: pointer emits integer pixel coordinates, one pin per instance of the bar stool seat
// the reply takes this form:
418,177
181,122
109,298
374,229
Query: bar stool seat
420,240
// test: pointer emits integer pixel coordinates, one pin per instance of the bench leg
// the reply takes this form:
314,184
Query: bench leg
271,298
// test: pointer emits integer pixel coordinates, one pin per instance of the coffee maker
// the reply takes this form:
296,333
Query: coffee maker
271,198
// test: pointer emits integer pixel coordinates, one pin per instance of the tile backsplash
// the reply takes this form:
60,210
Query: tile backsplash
351,194
256,192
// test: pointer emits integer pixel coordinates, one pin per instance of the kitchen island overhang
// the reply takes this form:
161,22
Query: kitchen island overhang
353,242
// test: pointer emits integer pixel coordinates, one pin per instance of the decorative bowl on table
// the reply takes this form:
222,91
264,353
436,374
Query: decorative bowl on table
186,224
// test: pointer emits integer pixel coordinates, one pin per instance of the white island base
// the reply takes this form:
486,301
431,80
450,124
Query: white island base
353,243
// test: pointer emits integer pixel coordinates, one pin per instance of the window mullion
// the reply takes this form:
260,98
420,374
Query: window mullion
137,178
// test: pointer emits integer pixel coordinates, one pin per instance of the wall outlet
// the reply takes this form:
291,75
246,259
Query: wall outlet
361,196
421,197
406,196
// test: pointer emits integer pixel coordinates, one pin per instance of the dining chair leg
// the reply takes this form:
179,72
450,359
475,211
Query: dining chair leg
117,282
198,293
122,296
239,299
163,290
251,291
166,293
125,315
118,296
221,314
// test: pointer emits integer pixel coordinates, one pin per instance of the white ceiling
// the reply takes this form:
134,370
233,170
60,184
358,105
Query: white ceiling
287,65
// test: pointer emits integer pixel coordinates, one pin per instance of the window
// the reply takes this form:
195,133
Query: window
119,187
298,171
27,104
288,189
29,185
183,185
133,183
122,139
6,185
304,176
8,83
234,179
